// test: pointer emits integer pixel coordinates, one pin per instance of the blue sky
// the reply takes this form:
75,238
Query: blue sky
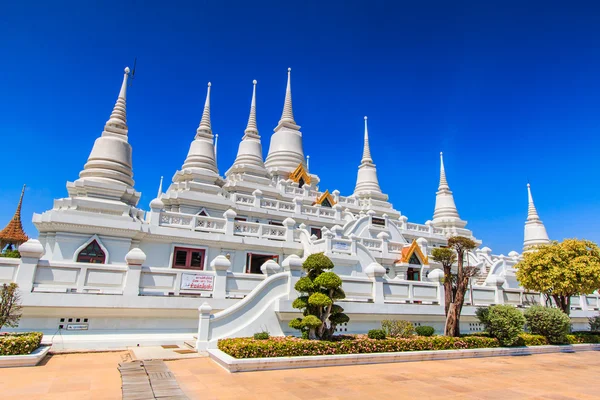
509,91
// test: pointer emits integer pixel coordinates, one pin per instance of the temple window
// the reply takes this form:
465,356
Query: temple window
276,223
378,221
188,258
326,203
203,213
92,253
255,261
413,274
317,232
301,182
243,219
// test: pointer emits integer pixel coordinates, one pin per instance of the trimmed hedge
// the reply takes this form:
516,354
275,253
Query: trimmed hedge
292,346
424,330
378,334
14,344
578,338
528,339
549,322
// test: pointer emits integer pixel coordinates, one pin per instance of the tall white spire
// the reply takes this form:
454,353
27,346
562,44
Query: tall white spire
366,158
110,159
160,187
445,214
251,128
205,121
366,180
288,113
535,231
202,150
249,158
286,151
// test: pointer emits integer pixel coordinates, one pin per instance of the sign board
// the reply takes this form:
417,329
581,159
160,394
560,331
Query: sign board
341,246
77,327
199,282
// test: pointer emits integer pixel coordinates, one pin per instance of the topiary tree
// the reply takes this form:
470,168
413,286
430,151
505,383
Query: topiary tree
446,257
10,305
503,322
319,289
549,322
561,270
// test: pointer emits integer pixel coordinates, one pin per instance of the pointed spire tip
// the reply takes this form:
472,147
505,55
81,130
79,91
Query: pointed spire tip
254,82
289,70
209,84
365,117
127,70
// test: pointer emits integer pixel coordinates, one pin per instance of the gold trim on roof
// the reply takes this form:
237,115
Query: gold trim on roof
300,173
408,251
324,196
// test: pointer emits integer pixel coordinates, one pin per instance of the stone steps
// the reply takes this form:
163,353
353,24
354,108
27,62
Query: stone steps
148,380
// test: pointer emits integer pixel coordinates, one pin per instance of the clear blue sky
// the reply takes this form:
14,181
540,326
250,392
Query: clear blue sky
509,90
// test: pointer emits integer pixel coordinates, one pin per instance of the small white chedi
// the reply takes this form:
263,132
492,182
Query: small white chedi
107,270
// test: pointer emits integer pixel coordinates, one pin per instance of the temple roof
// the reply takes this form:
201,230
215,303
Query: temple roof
13,233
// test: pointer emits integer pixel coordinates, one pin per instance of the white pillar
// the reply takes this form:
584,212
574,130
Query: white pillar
203,327
338,212
289,224
31,251
353,246
297,205
293,264
134,259
376,272
221,265
230,221
270,267
258,196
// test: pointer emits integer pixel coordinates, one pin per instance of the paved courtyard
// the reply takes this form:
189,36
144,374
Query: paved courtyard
549,376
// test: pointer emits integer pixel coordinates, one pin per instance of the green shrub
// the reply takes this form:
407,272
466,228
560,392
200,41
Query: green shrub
549,322
378,334
578,338
482,314
424,330
398,328
594,323
527,339
13,344
264,335
11,254
505,323
291,346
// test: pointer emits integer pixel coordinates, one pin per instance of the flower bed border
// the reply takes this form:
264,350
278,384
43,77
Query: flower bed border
273,363
25,360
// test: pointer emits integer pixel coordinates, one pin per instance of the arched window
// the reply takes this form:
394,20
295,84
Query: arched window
92,253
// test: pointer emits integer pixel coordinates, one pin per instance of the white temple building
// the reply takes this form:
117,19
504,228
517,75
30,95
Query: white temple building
106,272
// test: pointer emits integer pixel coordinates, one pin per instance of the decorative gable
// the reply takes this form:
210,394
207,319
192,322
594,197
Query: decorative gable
325,200
413,255
300,176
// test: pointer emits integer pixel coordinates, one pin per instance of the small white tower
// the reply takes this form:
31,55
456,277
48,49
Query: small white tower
286,150
445,214
535,231
366,180
108,172
249,158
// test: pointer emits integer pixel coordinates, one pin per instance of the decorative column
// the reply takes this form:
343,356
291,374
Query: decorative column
337,231
376,272
338,212
328,235
31,251
293,264
156,207
297,205
134,259
353,246
258,196
385,239
270,267
221,265
289,224
437,276
496,282
230,221
203,327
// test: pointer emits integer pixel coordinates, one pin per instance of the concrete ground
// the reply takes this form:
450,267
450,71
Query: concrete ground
548,376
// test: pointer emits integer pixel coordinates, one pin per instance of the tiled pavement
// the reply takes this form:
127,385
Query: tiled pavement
548,376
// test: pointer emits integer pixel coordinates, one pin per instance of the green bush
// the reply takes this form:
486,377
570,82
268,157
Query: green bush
482,314
264,335
578,338
505,323
11,254
13,344
594,323
398,328
549,322
424,330
527,339
378,334
291,346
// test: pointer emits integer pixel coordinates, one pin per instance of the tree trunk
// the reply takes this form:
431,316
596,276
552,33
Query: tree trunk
448,294
450,329
563,302
311,334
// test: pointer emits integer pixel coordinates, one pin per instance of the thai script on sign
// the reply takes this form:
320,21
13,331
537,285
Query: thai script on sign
199,282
